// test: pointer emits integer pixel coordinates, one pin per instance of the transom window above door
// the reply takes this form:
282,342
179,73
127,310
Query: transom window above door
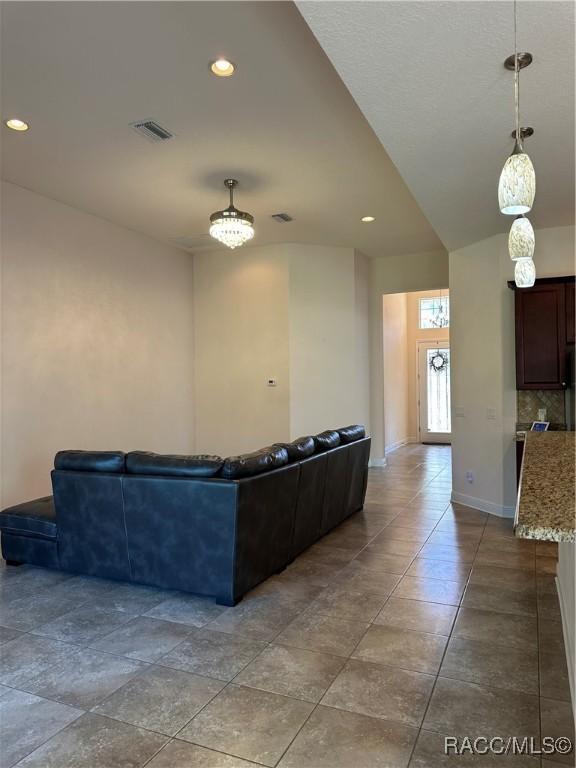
434,312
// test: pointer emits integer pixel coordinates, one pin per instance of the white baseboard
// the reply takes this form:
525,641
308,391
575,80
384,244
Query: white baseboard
377,462
567,629
482,505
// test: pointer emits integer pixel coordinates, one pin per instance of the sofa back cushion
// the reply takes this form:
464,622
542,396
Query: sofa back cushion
90,461
144,463
298,449
248,464
352,433
327,440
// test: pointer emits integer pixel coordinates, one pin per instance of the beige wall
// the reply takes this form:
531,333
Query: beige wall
397,274
396,386
96,338
241,326
361,408
296,313
415,335
483,363
328,299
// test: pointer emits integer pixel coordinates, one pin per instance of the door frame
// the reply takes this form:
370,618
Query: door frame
438,438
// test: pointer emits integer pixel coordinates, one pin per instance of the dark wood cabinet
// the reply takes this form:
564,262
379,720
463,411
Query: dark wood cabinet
569,287
544,329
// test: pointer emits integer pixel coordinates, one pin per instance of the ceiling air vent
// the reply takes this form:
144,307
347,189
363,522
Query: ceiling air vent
151,130
280,217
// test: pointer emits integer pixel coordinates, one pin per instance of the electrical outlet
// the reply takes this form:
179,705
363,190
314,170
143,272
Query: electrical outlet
491,414
272,382
459,412
470,477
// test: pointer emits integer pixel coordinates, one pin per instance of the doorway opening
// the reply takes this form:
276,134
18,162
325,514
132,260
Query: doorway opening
434,425
416,353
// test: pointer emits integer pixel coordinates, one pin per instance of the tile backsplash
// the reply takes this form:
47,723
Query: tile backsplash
529,401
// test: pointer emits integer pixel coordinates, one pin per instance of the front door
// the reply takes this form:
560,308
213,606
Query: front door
434,392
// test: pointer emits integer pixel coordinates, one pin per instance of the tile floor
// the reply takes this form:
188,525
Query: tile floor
413,620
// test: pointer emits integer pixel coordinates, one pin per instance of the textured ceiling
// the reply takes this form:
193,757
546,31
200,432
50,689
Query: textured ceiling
284,125
429,78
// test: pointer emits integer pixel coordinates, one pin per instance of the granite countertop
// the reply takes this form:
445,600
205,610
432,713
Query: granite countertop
546,497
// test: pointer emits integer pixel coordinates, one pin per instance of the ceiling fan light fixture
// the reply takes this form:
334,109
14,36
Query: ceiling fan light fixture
521,240
230,226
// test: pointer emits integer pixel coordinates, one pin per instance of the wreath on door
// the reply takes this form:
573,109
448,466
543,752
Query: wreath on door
439,361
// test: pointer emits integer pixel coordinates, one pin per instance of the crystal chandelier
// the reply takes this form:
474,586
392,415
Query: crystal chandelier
517,184
231,226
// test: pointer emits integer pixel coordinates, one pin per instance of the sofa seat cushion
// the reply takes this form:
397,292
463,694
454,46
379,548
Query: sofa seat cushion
298,449
144,463
352,433
32,518
327,440
248,464
90,461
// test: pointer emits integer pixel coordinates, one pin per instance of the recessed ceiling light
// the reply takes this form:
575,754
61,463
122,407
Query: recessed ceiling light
222,67
368,218
16,125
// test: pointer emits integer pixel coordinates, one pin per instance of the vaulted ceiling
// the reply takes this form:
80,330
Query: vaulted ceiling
400,110
429,77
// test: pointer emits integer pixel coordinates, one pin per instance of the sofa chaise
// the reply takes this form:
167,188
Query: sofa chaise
200,524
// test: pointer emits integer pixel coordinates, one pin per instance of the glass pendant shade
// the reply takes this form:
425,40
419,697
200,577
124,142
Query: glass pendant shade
232,227
524,273
517,185
521,240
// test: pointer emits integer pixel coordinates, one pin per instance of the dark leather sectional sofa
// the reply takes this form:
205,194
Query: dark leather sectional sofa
201,524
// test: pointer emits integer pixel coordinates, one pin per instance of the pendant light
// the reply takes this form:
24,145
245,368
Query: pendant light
517,185
230,226
521,241
524,273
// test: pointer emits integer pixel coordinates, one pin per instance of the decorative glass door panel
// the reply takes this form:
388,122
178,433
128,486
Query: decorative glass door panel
434,393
